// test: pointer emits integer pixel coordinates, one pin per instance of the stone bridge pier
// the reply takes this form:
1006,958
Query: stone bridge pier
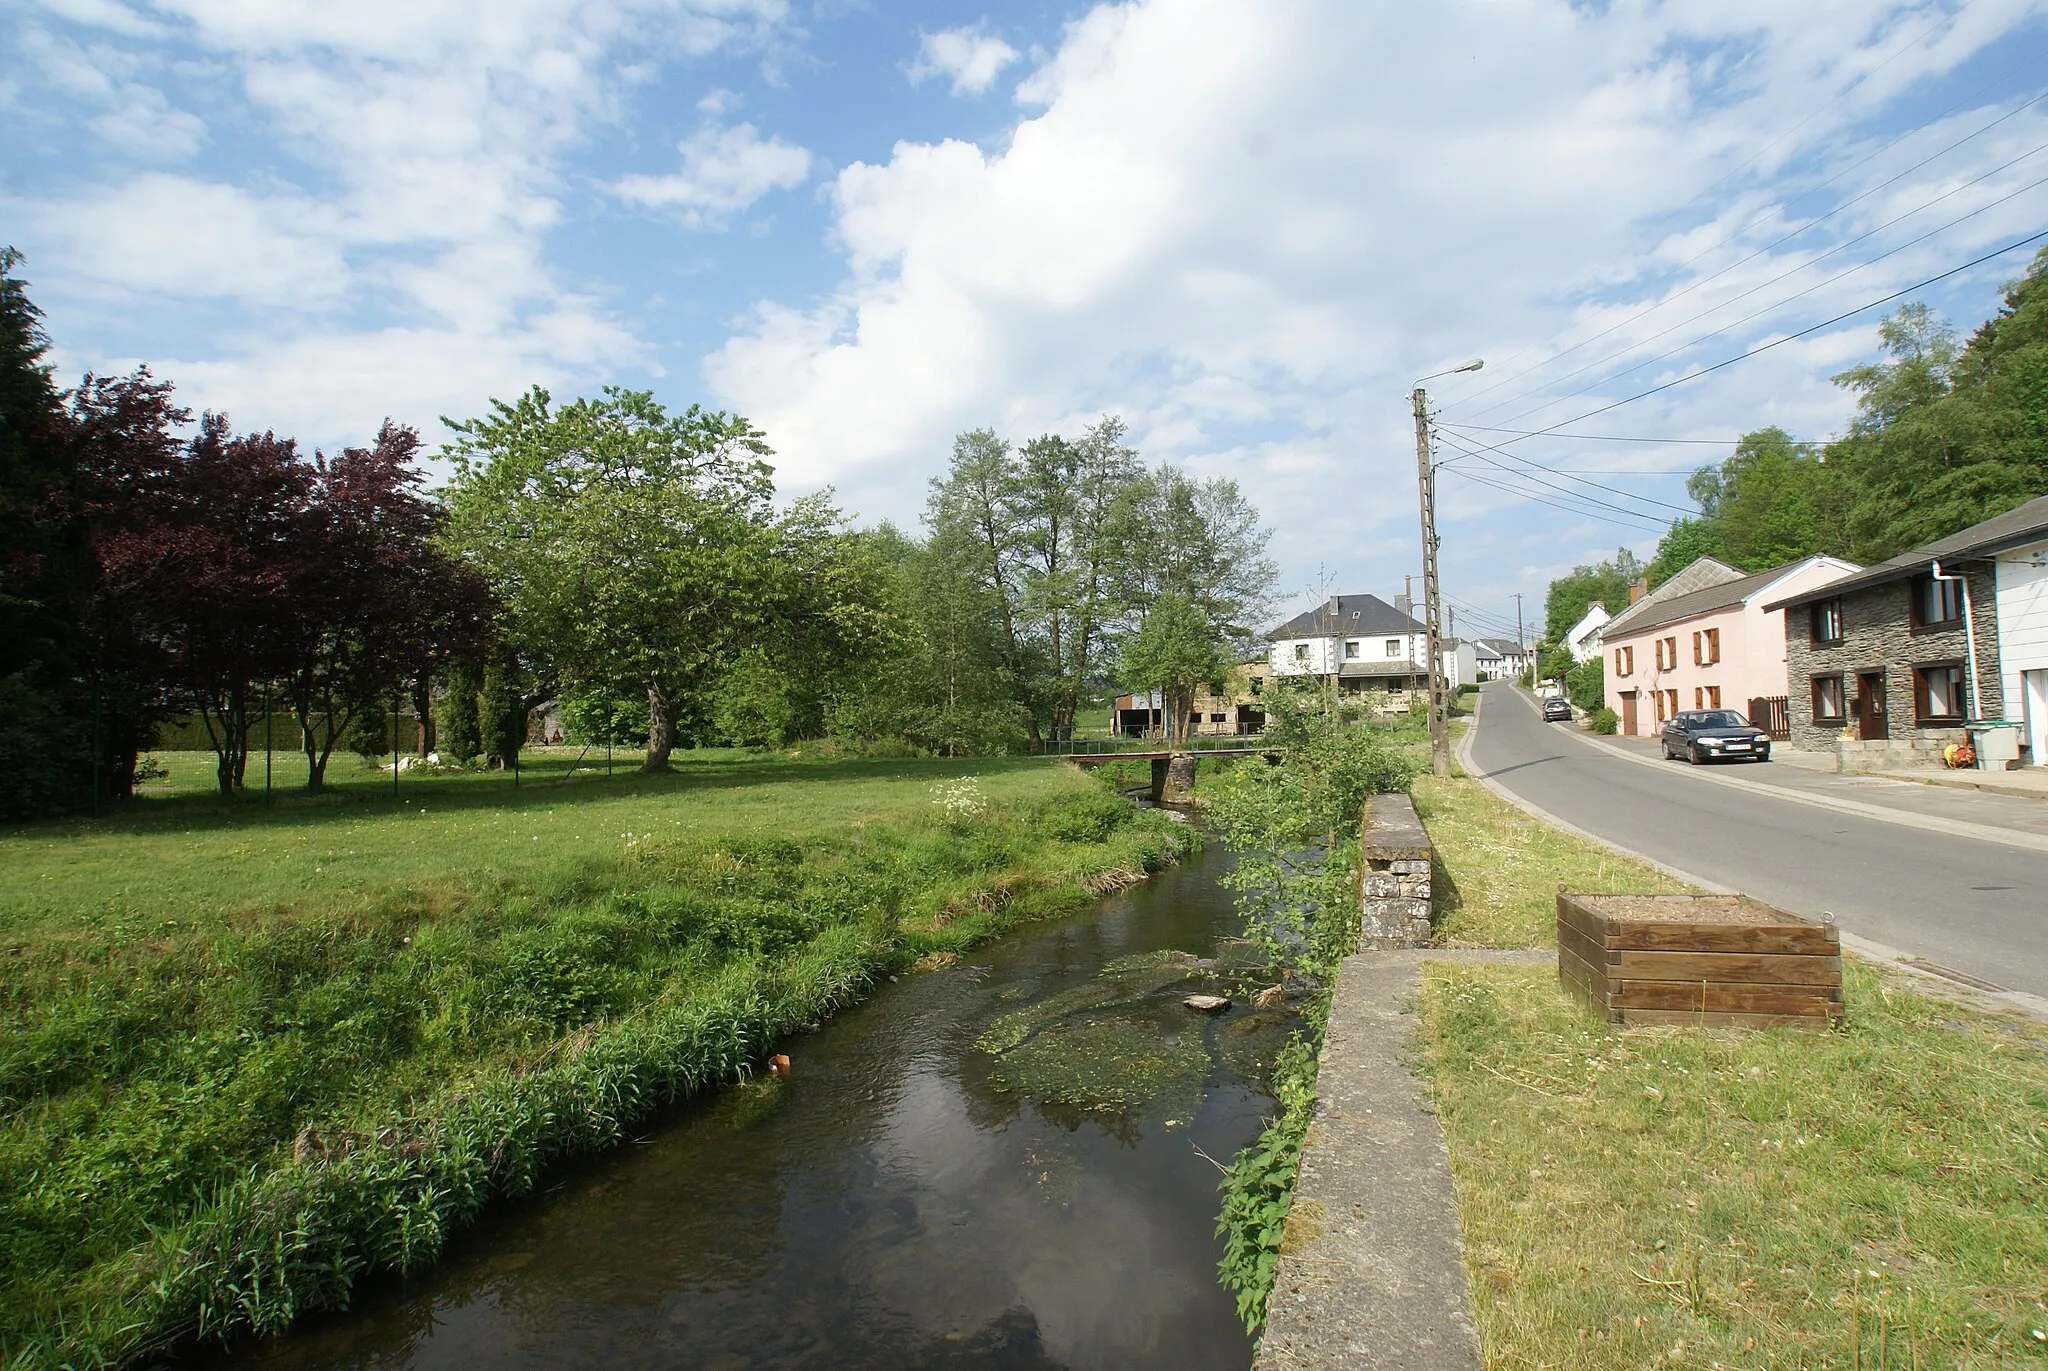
1173,777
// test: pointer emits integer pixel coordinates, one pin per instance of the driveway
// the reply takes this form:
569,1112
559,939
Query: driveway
1918,874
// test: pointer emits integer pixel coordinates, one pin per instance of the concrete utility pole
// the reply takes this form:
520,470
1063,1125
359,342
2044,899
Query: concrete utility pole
1521,644
1425,478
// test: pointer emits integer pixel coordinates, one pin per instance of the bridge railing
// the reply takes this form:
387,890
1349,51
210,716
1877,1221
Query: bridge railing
1109,747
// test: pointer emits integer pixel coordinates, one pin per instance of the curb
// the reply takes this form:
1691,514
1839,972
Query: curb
1894,959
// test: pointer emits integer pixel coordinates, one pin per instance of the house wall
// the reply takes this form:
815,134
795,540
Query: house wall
1878,634
1584,637
2022,579
1321,661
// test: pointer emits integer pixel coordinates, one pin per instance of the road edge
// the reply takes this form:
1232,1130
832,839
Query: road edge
1895,959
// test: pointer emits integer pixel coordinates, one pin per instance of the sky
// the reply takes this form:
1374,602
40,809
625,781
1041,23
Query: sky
1248,229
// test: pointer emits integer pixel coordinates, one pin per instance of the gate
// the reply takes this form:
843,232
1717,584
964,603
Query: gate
1772,714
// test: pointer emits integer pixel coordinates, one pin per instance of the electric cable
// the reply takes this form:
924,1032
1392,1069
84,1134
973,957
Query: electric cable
1803,229
1459,444
1641,523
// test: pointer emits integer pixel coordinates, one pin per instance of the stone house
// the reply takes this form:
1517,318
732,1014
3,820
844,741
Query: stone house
1885,657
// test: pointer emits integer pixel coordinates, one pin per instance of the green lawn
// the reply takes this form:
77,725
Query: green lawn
1871,1197
249,1051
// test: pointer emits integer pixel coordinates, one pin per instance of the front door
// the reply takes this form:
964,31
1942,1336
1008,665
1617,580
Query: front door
1628,713
1871,722
2035,694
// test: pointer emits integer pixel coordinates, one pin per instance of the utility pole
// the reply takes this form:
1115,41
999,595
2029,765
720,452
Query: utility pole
1425,480
1521,643
1425,476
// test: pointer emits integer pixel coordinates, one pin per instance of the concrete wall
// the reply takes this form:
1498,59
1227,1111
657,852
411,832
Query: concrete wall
1394,895
1878,635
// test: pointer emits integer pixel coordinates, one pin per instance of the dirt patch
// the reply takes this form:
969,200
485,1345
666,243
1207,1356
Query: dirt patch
1685,909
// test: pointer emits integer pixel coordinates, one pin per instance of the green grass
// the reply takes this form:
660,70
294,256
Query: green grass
1498,870
247,1053
1871,1197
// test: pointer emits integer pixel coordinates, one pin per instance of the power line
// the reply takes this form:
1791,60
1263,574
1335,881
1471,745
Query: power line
1805,228
1641,523
1600,437
1645,237
1790,337
1768,309
1460,443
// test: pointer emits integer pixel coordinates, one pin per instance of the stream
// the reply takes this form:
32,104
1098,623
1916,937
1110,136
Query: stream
994,1164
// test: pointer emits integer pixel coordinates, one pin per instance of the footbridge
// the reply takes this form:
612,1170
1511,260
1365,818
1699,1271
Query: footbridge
1173,762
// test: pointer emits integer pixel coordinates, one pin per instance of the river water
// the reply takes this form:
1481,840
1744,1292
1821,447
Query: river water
903,1199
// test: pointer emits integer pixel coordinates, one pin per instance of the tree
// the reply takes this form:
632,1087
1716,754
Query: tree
1569,596
1201,541
638,550
461,737
1175,649
1772,501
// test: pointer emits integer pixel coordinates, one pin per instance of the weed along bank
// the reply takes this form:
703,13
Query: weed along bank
538,976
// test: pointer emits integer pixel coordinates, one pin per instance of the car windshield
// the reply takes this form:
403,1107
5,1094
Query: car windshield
1719,718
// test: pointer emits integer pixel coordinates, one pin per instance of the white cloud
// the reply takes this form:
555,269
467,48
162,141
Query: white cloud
970,57
393,255
1248,228
725,170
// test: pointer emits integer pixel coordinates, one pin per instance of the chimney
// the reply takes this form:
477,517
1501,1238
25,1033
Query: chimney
1639,590
1405,604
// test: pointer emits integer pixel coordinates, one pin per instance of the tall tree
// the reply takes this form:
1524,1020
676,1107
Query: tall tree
1606,582
1176,648
1201,542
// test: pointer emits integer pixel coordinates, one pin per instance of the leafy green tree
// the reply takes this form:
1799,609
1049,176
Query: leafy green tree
1569,595
461,739
1586,683
602,716
1175,649
501,710
1772,501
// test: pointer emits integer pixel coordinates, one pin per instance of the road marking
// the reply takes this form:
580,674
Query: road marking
1930,823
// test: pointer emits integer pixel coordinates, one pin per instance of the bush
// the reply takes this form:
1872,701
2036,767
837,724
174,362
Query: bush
1604,720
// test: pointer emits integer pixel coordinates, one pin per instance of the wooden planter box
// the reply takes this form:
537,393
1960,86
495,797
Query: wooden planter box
1714,961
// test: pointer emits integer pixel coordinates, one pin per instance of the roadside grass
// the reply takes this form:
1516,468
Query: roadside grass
1875,1196
247,1054
1498,870
1872,1197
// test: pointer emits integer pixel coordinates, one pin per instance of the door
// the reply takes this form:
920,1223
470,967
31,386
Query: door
2035,693
1628,713
1871,723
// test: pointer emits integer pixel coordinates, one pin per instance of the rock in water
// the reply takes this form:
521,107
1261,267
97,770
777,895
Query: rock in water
1206,1004
1272,997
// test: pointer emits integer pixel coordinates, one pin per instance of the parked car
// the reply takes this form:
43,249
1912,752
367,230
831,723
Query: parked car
1706,735
1555,709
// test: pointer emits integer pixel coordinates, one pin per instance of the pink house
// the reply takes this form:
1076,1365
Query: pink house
1703,640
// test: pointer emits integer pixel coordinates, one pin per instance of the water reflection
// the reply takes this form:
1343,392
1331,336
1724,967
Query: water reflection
889,1205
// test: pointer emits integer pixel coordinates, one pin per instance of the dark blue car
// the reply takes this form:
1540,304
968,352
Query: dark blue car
1714,735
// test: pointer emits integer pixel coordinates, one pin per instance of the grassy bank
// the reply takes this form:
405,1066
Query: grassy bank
1873,1197
247,1054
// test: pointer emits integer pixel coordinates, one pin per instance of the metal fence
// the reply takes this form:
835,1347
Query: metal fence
1109,747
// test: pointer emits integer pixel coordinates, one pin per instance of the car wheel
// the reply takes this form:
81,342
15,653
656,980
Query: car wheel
1692,754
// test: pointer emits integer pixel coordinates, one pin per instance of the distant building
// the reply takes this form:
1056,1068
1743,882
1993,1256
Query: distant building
1359,642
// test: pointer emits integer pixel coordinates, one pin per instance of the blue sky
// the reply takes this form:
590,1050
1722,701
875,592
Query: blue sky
1246,228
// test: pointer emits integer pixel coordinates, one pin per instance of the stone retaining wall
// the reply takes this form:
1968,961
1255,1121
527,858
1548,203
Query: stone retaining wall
1394,896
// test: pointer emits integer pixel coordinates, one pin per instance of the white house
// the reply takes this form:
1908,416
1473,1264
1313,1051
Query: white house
1583,638
1461,662
1361,640
1510,659
2021,574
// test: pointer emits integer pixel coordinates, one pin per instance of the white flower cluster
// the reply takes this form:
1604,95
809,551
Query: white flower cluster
960,800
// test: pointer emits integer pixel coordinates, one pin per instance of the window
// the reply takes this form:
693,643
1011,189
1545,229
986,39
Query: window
1351,650
1670,702
1393,647
1658,696
1667,654
1713,697
1936,604
1217,719
1624,661
1939,692
1301,652
1258,685
1827,623
1706,646
1830,700
1706,697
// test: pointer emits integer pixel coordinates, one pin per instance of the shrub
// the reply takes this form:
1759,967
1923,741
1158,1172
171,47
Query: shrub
1604,720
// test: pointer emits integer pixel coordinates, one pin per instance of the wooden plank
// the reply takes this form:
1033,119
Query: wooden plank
1645,1017
1814,940
1740,999
1570,913
1727,967
1582,981
1587,950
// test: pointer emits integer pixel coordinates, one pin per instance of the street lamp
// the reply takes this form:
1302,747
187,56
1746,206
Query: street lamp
1425,478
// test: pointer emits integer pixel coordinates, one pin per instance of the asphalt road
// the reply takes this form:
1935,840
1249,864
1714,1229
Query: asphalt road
1980,907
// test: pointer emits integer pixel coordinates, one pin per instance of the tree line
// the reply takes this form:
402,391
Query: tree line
1946,433
631,564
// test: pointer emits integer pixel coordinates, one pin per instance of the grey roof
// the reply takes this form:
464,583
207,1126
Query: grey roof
1396,666
1673,608
1482,650
2014,528
1503,646
1705,572
1346,614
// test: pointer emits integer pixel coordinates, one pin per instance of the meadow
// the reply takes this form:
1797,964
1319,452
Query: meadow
251,1051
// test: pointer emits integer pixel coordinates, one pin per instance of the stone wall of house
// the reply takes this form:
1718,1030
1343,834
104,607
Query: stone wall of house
1878,634
1394,903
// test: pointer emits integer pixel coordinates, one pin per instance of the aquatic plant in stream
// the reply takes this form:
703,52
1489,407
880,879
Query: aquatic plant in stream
1258,1189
